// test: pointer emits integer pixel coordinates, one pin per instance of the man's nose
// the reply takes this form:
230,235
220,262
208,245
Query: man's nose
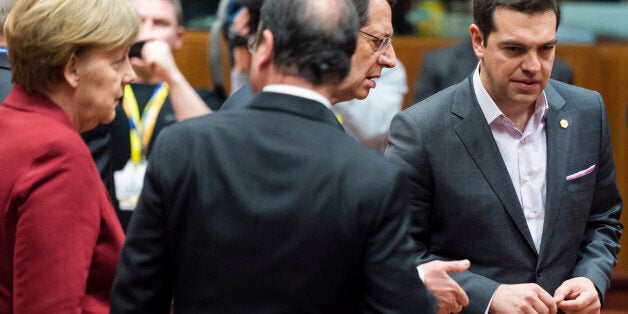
388,58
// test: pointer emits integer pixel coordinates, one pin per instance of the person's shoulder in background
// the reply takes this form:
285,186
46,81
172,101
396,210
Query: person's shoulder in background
212,101
239,99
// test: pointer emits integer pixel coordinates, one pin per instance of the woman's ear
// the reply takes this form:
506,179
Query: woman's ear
70,71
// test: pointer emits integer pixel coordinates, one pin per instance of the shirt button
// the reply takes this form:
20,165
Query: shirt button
532,214
539,273
526,178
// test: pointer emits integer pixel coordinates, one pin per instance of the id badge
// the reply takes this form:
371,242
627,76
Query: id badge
129,182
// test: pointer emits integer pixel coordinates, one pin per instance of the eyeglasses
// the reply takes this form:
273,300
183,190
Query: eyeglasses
383,42
253,40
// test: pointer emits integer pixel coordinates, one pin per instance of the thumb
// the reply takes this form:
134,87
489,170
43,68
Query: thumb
457,266
560,294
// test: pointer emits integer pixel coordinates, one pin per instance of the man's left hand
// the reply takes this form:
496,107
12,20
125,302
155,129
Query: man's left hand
578,296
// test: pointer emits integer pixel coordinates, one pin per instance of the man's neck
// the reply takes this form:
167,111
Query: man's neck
326,90
519,114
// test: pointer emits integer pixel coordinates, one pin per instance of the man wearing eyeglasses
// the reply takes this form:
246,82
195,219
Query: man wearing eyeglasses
159,97
374,51
274,209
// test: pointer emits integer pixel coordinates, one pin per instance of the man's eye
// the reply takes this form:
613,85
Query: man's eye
513,49
547,48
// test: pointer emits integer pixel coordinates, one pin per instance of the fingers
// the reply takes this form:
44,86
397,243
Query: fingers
461,297
522,298
547,301
457,266
451,297
560,294
157,60
585,302
577,295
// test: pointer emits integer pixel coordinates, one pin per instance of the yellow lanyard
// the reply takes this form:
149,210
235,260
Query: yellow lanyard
141,129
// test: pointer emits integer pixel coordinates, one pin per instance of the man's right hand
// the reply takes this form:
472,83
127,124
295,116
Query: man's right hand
450,296
522,298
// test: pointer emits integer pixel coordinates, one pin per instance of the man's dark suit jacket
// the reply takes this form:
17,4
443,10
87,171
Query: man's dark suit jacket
448,66
110,144
239,99
269,209
5,77
464,204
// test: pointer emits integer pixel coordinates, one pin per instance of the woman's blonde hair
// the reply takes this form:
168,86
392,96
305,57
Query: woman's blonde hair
42,35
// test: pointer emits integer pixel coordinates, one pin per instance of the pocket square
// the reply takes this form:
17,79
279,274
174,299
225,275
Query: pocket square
580,173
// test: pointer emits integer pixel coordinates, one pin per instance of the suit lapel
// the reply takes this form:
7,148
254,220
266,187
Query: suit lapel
558,139
299,106
477,138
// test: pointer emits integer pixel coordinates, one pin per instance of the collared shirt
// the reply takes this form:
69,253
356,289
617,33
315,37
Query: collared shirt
524,152
297,91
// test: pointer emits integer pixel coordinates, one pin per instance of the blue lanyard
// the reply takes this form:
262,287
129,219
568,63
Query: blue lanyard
4,51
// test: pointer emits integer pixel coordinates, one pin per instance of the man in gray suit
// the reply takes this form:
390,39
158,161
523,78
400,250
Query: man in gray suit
515,172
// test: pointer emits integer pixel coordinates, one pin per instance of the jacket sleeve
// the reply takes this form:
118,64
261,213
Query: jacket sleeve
143,282
600,243
57,229
392,281
406,148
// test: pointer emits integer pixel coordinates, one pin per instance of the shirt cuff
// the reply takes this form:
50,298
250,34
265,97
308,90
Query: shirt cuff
489,303
421,274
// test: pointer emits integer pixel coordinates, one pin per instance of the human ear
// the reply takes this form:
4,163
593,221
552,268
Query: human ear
265,47
477,39
70,71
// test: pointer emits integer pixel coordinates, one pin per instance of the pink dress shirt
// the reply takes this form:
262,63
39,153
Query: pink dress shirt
525,154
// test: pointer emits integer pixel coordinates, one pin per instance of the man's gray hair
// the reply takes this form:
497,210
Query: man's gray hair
363,9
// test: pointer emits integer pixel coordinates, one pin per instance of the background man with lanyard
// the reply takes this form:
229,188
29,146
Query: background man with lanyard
160,96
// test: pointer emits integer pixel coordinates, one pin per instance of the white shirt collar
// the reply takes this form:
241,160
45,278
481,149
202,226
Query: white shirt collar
297,91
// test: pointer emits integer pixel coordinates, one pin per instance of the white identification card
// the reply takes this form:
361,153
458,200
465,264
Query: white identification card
129,183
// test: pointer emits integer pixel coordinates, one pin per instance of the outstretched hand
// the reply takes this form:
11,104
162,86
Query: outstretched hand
450,296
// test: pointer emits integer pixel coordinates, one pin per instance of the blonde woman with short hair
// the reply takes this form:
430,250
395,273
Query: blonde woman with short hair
59,236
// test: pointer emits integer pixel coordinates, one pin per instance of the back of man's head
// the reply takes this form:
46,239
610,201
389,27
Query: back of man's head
313,39
483,11
5,7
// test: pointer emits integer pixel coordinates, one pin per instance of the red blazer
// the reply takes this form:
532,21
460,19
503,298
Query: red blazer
59,235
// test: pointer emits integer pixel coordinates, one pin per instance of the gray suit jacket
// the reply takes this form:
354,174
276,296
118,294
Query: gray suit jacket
464,204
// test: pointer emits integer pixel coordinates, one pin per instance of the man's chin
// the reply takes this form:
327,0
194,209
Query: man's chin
362,93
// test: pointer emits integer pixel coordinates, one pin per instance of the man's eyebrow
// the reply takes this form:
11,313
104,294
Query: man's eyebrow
552,42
